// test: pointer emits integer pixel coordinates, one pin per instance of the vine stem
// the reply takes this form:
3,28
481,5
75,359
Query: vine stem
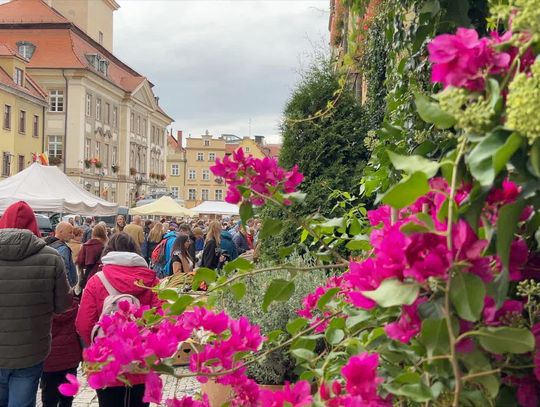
452,338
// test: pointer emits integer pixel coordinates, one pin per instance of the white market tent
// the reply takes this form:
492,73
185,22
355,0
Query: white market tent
216,208
164,206
47,189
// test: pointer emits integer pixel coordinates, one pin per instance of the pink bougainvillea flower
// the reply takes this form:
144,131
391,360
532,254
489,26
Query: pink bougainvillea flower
465,345
462,60
188,401
492,315
71,388
298,395
409,323
519,254
427,256
362,277
153,387
468,248
361,378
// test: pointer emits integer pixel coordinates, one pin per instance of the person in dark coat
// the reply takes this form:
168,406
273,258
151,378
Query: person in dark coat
185,230
65,356
241,241
228,245
211,257
89,258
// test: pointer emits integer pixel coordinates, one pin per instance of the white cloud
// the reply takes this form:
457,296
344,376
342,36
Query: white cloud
218,64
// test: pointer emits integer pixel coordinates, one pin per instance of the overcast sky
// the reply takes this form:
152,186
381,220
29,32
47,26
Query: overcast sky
218,64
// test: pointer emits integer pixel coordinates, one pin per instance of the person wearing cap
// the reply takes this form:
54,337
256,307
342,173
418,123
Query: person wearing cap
33,286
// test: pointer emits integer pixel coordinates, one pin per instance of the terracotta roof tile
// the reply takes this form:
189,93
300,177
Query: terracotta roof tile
29,11
6,50
30,88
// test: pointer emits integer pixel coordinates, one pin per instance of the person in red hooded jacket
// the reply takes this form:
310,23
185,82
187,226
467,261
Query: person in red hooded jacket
123,266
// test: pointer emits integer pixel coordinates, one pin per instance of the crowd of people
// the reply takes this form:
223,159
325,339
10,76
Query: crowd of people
55,290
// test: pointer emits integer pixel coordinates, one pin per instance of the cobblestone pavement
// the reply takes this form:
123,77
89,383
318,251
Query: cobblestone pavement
87,396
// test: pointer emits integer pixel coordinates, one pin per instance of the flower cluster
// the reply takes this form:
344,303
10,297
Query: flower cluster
361,382
262,177
462,60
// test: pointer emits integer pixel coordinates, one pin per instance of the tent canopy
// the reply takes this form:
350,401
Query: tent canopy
164,206
217,208
47,189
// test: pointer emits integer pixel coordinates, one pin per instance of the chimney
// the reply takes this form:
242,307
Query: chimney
259,140
179,138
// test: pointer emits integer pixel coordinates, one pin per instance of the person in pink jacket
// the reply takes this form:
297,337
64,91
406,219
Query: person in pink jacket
123,266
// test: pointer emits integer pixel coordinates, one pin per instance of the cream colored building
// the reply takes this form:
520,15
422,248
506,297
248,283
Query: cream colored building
176,166
23,104
99,108
201,185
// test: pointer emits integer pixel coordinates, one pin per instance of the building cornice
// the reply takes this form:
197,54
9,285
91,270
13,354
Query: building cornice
23,95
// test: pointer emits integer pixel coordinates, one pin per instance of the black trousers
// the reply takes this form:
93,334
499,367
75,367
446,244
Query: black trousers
50,396
121,396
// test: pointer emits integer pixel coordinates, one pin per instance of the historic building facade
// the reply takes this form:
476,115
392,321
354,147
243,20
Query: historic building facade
23,104
104,126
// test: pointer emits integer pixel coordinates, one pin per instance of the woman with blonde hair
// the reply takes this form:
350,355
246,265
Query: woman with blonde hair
89,258
211,256
154,237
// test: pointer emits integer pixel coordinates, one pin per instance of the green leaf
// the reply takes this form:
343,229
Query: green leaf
435,337
203,274
279,290
430,112
407,191
326,298
505,340
393,292
490,384
490,156
360,242
181,304
414,163
506,227
467,292
334,336
286,251
270,227
246,211
303,354
273,335
418,392
168,294
294,326
238,264
534,159
238,290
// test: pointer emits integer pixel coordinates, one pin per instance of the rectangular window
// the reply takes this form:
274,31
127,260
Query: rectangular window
200,156
174,192
115,116
106,156
114,155
138,125
6,164
18,76
98,150
35,127
206,143
88,105
100,38
22,122
132,122
205,175
56,101
54,148
212,157
247,149
98,109
107,113
87,149
7,117
192,175
21,163
204,195
153,135
219,195
144,127
175,169
192,194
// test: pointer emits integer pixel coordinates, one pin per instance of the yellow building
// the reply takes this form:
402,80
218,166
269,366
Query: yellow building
201,185
23,105
176,166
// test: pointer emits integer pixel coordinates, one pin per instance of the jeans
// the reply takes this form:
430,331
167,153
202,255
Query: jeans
50,395
18,387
